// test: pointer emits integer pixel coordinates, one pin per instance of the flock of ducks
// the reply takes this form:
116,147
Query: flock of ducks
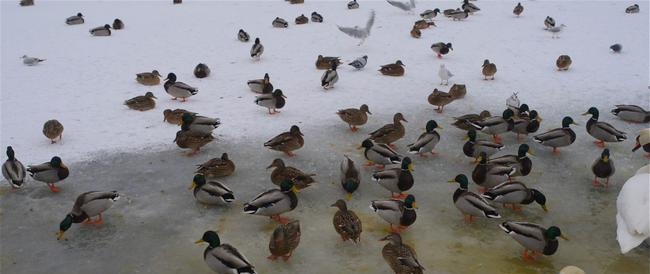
499,177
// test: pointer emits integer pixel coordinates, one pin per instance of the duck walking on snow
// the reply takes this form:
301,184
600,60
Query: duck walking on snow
469,203
178,89
330,77
257,49
549,22
559,137
287,141
51,172
53,129
603,132
518,9
261,86
13,170
427,140
603,167
354,117
271,101
400,257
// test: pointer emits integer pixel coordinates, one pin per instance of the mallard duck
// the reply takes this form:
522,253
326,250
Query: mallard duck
559,137
390,133
217,167
460,15
279,23
643,140
274,202
423,24
243,36
346,223
271,101
632,113
396,180
302,19
549,22
534,237
427,140
148,78
287,141
186,138
118,24
257,49
178,89
31,61
284,240
520,162
53,129
201,70
632,9
142,103
87,205
470,203
439,99
13,170
379,154
415,32
496,125
177,2
200,125
518,9
457,91
282,173
463,122
51,172
603,167
515,193
401,258
616,48
175,117
632,216
354,117
603,132
75,19
469,6
316,17
325,62
211,192
261,85
349,177
488,175
360,62
396,69
353,5
330,77
449,12
24,3
430,14
104,30
563,62
526,124
441,48
224,258
489,69
473,148
395,212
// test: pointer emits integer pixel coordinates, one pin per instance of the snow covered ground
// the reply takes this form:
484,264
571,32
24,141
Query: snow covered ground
85,80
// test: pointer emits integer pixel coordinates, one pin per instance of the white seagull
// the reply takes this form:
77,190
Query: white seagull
556,30
403,6
444,74
360,33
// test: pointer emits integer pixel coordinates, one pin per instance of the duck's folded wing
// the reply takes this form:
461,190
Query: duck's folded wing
280,139
384,150
609,128
267,198
551,135
39,168
423,140
393,205
182,85
529,230
230,257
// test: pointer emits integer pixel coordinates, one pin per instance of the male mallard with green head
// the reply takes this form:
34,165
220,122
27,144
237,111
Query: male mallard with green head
603,132
559,137
396,213
396,180
86,206
349,177
274,202
632,113
51,172
470,203
13,170
488,175
526,124
496,125
534,237
224,258
427,140
473,148
520,162
178,89
515,193
211,192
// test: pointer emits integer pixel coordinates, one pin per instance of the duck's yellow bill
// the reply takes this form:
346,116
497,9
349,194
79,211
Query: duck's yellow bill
192,186
199,241
59,235
564,237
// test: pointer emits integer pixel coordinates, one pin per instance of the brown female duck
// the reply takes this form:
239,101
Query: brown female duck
390,133
282,173
396,69
354,117
217,167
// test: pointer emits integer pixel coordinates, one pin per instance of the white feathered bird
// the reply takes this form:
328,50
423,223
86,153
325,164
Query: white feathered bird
632,216
444,74
360,33
402,5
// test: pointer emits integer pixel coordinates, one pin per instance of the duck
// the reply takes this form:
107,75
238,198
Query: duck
104,30
53,129
75,19
211,192
350,179
261,86
559,137
271,101
224,258
460,15
430,14
316,17
353,5
274,202
441,48
379,154
487,175
118,24
444,75
563,62
616,48
534,237
201,70
396,180
473,148
279,23
458,91
13,170
329,78
632,216
325,62
175,116
643,140
632,9
360,62
526,124
25,3
549,22
257,49
178,89
489,69
518,9
415,32
515,193
396,212
187,138
141,102
200,125
148,78
390,133
471,204
346,223
396,69
31,61
423,24
439,99
603,132
281,173
217,167
302,19
462,122
284,240
449,12
243,36
469,6
603,167
496,125
427,140
287,141
632,113
520,162
354,117
87,205
400,257
51,172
